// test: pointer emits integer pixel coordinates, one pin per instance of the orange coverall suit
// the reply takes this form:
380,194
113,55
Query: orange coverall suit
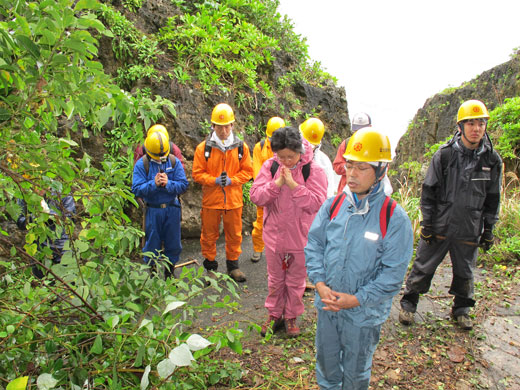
260,155
221,202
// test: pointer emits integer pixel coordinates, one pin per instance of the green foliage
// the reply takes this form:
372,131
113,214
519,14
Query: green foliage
336,140
230,45
222,48
431,149
97,317
504,128
137,50
245,193
132,5
507,247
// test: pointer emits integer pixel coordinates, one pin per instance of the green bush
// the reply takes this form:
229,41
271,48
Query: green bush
504,128
97,319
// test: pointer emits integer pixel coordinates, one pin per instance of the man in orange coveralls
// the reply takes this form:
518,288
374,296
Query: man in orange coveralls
261,153
222,164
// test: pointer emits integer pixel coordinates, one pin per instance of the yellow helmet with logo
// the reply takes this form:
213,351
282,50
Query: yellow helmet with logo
157,145
312,130
274,124
222,114
160,129
368,145
472,109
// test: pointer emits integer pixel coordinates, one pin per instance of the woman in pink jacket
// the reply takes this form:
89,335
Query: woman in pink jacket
291,187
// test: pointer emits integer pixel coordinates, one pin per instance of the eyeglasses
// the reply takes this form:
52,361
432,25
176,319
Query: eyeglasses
360,167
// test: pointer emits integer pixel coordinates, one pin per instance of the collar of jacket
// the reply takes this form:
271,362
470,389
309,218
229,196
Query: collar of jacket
210,142
363,206
483,147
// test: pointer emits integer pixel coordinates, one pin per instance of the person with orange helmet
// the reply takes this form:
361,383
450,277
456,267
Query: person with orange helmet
460,202
261,153
159,179
222,164
358,250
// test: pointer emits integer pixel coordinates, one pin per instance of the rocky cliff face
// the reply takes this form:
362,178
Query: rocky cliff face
436,120
193,107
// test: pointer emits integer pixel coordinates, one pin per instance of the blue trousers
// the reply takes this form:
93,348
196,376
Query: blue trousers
163,226
344,352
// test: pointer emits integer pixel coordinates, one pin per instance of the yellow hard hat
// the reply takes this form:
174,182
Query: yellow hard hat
222,114
274,124
157,145
368,145
472,109
312,130
160,129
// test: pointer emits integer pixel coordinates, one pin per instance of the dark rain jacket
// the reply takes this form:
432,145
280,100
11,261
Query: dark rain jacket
461,191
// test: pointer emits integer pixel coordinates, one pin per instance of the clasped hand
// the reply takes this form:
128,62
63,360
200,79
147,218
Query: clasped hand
223,180
286,178
161,179
335,301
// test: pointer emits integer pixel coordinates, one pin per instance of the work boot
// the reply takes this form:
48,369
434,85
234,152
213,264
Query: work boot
169,272
272,324
291,328
464,322
256,257
405,317
210,267
234,271
212,275
237,275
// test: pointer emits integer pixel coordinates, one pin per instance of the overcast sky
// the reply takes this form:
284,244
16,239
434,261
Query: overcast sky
393,55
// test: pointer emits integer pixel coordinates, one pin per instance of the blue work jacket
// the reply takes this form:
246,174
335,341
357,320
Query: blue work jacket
143,184
350,256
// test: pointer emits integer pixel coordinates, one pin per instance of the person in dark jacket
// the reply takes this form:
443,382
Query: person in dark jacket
460,203
56,208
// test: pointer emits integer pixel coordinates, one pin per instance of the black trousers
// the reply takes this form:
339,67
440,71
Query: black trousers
428,257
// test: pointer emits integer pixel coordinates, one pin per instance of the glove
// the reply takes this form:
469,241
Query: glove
486,239
224,179
427,234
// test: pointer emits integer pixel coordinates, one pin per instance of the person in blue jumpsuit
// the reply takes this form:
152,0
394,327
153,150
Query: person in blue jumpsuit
159,186
357,263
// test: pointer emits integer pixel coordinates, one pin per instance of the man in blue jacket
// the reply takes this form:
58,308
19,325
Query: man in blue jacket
159,179
359,247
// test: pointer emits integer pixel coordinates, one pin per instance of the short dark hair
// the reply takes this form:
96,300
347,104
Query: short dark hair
287,138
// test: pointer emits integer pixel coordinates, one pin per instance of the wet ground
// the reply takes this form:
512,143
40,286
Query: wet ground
497,337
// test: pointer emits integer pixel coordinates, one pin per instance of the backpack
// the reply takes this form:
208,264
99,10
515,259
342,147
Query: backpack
207,150
306,169
384,214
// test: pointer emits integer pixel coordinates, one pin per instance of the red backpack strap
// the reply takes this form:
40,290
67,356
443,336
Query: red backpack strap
384,215
336,205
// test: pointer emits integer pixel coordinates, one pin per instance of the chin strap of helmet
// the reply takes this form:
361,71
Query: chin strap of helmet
380,170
